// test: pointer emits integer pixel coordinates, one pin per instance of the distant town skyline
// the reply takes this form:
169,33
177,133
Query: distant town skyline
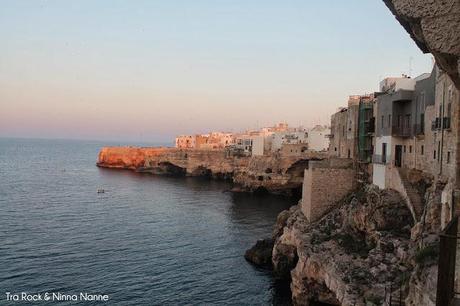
147,71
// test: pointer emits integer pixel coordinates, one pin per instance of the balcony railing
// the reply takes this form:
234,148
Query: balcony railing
401,131
379,159
447,264
419,129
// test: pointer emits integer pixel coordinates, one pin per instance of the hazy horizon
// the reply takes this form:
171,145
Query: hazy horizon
145,71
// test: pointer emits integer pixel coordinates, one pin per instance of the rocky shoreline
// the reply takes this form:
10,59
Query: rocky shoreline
361,253
274,174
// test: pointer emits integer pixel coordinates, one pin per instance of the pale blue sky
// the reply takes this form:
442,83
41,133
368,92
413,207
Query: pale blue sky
148,70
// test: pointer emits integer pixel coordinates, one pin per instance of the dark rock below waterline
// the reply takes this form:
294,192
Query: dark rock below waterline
260,254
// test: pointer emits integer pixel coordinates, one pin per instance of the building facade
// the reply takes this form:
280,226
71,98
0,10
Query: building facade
400,125
343,139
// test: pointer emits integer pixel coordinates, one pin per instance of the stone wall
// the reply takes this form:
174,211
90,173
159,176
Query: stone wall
325,183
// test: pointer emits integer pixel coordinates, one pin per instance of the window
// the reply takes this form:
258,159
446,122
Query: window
410,149
384,152
422,122
349,153
422,148
434,154
335,149
404,149
448,157
407,121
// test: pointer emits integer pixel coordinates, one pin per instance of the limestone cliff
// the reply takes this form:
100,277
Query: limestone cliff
274,173
127,157
361,253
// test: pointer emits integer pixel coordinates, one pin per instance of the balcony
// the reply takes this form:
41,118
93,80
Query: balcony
402,131
379,159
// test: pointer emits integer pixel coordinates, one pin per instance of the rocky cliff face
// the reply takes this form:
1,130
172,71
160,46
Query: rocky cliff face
275,173
359,254
127,157
435,27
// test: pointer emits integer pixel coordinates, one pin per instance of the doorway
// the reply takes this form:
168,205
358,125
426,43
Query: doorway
398,155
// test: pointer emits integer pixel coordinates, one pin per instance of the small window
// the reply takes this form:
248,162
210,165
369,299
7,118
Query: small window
434,154
410,149
349,153
422,148
448,157
335,149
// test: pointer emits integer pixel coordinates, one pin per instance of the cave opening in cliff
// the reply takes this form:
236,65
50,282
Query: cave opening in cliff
168,168
260,190
202,171
297,169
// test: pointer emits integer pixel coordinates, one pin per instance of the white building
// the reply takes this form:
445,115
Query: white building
252,145
318,139
278,139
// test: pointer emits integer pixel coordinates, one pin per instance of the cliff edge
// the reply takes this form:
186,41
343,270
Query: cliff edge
360,253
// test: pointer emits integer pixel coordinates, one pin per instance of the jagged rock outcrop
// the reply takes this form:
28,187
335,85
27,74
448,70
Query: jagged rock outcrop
260,254
350,256
362,252
434,25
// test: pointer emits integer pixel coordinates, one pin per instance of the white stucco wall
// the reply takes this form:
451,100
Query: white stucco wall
317,139
257,145
379,170
378,175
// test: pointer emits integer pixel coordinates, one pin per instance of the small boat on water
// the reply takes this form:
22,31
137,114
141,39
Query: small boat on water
100,191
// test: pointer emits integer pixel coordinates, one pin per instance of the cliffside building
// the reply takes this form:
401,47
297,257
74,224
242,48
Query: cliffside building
400,125
343,139
211,141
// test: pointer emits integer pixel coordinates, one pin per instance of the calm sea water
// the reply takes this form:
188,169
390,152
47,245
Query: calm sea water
146,241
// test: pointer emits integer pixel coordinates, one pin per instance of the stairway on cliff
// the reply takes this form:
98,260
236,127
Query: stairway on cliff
414,196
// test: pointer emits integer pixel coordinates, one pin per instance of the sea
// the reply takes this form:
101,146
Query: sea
147,240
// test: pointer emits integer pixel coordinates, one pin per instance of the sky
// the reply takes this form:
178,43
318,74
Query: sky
149,70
